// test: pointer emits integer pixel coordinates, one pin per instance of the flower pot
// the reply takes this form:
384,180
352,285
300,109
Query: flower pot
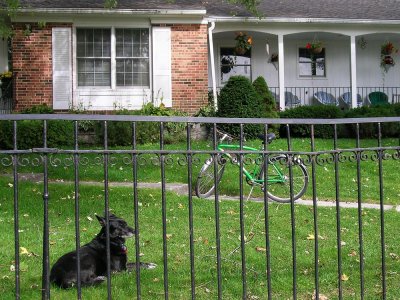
388,60
240,51
317,50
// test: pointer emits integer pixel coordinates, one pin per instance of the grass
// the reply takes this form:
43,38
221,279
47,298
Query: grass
62,230
120,169
62,238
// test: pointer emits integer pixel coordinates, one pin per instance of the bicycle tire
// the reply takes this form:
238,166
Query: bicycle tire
280,192
205,183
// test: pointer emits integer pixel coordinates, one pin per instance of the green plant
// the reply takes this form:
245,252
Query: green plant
243,42
387,60
261,87
311,112
369,130
314,46
120,133
238,99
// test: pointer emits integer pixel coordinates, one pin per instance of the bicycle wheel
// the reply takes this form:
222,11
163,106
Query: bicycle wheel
280,191
205,184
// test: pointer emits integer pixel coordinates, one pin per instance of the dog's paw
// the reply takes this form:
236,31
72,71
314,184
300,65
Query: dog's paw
99,279
148,266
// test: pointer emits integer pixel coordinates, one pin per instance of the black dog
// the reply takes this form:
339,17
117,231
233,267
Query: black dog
93,256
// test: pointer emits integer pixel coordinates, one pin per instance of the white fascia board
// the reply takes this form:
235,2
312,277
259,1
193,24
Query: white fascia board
79,11
69,15
224,19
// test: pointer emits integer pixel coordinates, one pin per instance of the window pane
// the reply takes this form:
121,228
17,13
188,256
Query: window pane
232,64
311,64
132,53
94,61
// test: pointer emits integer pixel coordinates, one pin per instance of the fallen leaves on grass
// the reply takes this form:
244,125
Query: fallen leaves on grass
261,249
344,277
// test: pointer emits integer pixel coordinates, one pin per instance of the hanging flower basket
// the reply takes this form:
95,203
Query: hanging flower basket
243,43
388,60
240,51
387,51
314,47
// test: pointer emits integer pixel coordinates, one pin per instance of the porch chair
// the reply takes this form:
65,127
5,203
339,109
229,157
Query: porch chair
345,100
291,100
324,98
377,98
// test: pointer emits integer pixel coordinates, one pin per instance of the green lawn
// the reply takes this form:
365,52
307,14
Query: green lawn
61,215
120,169
62,231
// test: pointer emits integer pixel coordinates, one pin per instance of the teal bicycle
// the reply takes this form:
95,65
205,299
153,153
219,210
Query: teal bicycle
278,180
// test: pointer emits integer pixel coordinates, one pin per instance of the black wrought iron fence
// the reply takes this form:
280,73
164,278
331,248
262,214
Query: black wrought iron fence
336,236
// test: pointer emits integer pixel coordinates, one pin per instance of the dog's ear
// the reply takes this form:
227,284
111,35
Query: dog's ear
102,220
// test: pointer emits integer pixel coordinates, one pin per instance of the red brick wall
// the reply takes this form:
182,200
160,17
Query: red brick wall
32,65
189,67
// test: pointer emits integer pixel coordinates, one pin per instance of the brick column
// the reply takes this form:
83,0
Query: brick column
189,67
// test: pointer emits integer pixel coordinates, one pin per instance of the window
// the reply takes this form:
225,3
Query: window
130,60
311,64
234,64
132,57
94,57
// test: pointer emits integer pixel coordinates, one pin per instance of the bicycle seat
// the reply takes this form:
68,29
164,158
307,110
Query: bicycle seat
270,137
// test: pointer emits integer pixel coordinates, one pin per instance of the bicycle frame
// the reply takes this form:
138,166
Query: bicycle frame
251,177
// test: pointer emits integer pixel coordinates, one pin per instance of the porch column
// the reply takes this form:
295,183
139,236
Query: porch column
281,72
353,70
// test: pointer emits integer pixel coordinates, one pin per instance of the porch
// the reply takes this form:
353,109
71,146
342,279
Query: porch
351,64
6,97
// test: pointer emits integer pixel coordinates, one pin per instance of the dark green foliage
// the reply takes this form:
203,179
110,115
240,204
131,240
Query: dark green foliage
367,130
120,133
238,99
30,132
311,112
261,87
371,129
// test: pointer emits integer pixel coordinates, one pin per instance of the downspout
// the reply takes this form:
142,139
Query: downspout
211,45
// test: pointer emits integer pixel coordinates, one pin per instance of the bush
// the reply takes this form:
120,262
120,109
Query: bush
311,112
120,133
369,130
238,99
261,87
30,132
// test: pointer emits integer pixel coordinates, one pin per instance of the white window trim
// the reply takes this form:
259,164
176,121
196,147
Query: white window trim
113,97
113,62
323,78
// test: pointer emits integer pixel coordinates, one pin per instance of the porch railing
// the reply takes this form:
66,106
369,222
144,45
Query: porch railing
306,94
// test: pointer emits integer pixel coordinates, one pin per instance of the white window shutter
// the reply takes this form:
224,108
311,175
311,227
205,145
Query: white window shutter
162,81
62,68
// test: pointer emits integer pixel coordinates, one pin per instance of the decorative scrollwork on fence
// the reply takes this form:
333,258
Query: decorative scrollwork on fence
197,159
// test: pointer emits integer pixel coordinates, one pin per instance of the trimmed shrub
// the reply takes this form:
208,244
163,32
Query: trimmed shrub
238,99
369,130
30,132
311,112
261,87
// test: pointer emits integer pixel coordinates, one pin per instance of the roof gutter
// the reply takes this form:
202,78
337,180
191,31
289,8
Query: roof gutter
112,11
212,61
301,20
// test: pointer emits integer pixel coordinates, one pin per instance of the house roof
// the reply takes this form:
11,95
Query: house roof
301,9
